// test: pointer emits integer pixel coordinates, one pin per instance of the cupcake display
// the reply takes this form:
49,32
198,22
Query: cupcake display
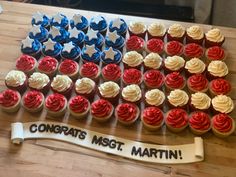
217,69
219,87
173,81
135,43
214,37
156,30
31,47
193,50
110,55
70,51
132,59
194,66
215,53
178,99
132,94
90,53
119,25
94,38
109,91
111,72
10,100
40,19
40,82
155,97
27,64
52,48
132,76
69,68
153,79
194,34
48,65
58,34
222,104
176,32
90,70
76,36
137,29
33,101
99,23
38,32
174,48
155,45
60,20
152,61
79,22
200,102
197,83
115,41
174,63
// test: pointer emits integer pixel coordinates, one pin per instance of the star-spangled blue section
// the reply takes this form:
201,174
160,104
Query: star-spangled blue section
73,54
95,56
80,26
78,39
64,22
116,59
53,53
45,22
120,30
117,44
99,41
36,46
42,36
60,38
98,25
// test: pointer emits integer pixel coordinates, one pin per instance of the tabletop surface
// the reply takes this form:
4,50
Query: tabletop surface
49,158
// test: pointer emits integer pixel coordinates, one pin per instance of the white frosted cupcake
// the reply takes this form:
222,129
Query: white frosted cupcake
155,97
222,104
178,99
214,37
109,91
152,61
217,69
132,93
156,30
176,32
194,34
85,87
39,81
200,102
174,63
194,66
132,59
137,29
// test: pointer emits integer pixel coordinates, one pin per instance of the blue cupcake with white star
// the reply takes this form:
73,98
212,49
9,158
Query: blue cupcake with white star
118,25
70,51
94,37
41,19
58,34
31,47
38,32
80,22
60,20
114,40
90,53
76,36
52,48
99,23
110,55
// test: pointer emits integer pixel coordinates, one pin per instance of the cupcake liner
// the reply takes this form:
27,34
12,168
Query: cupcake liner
188,74
138,102
211,43
34,110
175,130
152,127
127,123
21,88
192,108
155,37
44,90
13,108
191,40
103,32
210,77
180,39
57,115
161,106
148,87
169,89
126,66
142,35
112,100
79,115
67,93
199,132
168,71
104,119
146,68
37,54
184,107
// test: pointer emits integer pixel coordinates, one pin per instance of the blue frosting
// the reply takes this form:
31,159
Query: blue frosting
41,37
80,26
79,39
123,27
45,23
36,46
74,53
97,41
115,60
117,44
94,58
64,22
100,26
60,38
53,53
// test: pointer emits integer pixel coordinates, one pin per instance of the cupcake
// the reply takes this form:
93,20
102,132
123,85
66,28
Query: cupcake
156,30
99,24
33,101
79,22
132,59
111,72
110,55
199,122
94,38
85,87
135,43
31,47
152,61
197,83
178,99
60,20
176,120
137,29
70,51
155,45
194,34
38,32
55,105
153,79
222,125
119,25
109,91
10,100
193,50
115,41
127,113
194,66
174,63
79,106
217,69
200,102
16,80
132,76
214,37
152,118
77,37
48,65
58,34
26,63
101,110
69,68
41,19
173,81
90,70
222,104
62,84
52,49
176,32
40,82
215,53
155,97
91,54
174,48
132,94
219,87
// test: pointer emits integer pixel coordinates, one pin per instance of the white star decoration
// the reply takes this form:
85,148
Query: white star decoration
35,29
55,31
68,47
92,34
38,17
27,42
57,18
113,36
97,19
49,45
117,22
110,53
73,32
77,18
90,50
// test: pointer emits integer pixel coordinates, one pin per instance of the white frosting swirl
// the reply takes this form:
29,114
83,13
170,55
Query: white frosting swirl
195,66
154,97
178,97
223,104
176,30
15,78
174,63
132,93
109,89
195,32
61,83
133,58
137,27
157,29
215,35
218,68
84,85
38,80
153,60
200,100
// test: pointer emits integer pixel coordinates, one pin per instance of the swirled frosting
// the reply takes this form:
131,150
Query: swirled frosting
48,64
61,83
195,32
84,85
111,72
9,98
55,102
174,63
33,99
79,104
15,78
215,35
137,27
215,53
109,89
176,30
157,29
178,97
133,59
218,68
89,69
192,50
154,97
175,80
101,108
198,82
222,123
223,104
195,66
177,118
134,43
152,116
155,45
153,60
220,86
68,67
127,112
154,78
132,76
200,121
38,80
132,93
25,63
200,100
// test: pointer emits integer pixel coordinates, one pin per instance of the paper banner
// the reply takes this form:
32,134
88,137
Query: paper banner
173,154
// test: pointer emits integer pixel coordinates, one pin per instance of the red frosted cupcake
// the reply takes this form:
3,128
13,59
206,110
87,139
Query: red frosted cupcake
174,63
152,61
155,97
40,82
85,87
174,80
137,29
176,32
10,100
199,122
132,94
214,37
153,79
26,63
90,70
174,48
193,50
110,91
222,125
127,113
135,43
215,53
132,59
178,99
176,120
197,83
69,68
48,65
200,102
217,69
101,110
156,30
219,87
222,104
111,72
194,66
33,101
132,76
195,34
155,45
79,106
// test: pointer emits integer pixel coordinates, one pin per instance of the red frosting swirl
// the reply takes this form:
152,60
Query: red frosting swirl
25,63
174,48
89,70
200,121
79,104
222,122
193,50
111,72
9,98
215,53
68,67
55,102
152,116
174,80
101,108
134,43
126,111
33,99
48,64
177,118
155,45
154,78
220,86
132,76
198,82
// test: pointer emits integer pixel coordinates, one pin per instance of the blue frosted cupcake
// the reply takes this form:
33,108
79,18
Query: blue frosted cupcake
31,47
52,48
60,20
110,55
38,32
115,41
70,51
118,25
90,53
58,34
77,37
41,19
80,22
99,24
94,37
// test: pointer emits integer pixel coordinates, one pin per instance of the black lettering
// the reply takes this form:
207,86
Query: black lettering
119,145
173,154
76,132
70,132
33,128
166,154
112,144
180,154
82,135
105,142
64,130
161,153
136,152
57,129
146,152
49,128
41,127
153,152
96,140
